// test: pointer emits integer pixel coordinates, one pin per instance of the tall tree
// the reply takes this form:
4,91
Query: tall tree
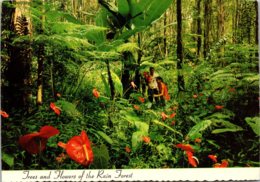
40,60
179,46
199,29
19,67
220,25
207,21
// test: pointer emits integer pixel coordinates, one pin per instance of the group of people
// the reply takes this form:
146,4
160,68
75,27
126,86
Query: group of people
157,89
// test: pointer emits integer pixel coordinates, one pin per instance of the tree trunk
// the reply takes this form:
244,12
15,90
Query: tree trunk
139,57
207,11
221,27
199,30
19,68
179,46
110,81
256,24
165,35
41,58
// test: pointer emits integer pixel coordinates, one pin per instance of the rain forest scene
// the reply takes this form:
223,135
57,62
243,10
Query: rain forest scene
129,84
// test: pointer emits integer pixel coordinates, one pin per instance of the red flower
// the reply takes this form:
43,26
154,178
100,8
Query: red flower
172,115
186,147
192,159
213,158
141,99
79,149
146,139
127,149
218,107
224,163
95,93
4,114
34,143
58,95
55,108
197,140
136,107
195,96
164,116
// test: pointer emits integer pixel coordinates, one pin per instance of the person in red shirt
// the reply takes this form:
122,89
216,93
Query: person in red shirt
163,91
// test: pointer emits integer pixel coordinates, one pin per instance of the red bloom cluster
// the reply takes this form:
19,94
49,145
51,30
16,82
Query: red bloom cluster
4,114
141,99
213,158
193,161
95,93
56,109
146,139
164,116
137,107
34,143
79,149
219,107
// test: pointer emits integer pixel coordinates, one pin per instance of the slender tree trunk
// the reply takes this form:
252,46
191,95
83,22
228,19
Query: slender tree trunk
256,23
165,35
221,27
139,57
41,58
179,46
110,81
207,5
199,30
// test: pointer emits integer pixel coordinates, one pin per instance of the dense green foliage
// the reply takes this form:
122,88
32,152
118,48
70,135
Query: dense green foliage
217,113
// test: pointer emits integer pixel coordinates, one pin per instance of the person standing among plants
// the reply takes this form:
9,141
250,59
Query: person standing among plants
163,91
152,85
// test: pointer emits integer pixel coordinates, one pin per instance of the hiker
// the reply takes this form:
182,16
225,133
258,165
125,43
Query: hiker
163,91
152,85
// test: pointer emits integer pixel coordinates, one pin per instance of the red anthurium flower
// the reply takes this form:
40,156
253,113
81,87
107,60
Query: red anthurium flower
136,107
173,123
197,140
146,139
34,143
164,116
4,114
127,149
133,84
79,149
218,107
95,93
223,164
172,115
195,96
55,108
186,147
193,161
213,158
141,99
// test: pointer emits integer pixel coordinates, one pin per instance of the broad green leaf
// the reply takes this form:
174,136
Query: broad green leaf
142,126
136,139
105,137
101,157
198,128
8,159
228,127
166,126
123,7
105,82
254,123
130,116
69,108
